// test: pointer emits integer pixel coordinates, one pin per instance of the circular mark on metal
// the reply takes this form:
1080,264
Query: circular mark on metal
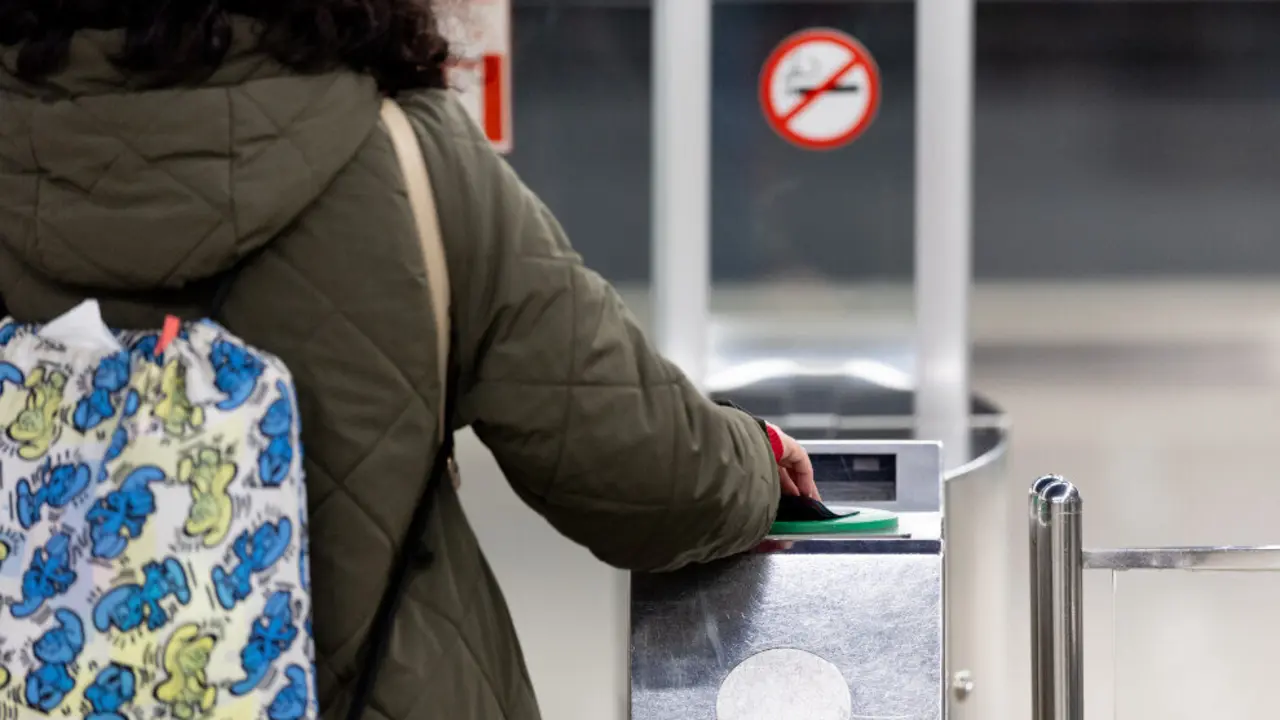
784,684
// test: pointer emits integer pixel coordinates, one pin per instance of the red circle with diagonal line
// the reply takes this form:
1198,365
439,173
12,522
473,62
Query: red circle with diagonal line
820,89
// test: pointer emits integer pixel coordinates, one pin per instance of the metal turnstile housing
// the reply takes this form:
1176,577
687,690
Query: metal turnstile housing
819,627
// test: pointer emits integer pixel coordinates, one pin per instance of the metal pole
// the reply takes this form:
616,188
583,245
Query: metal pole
1057,572
1041,632
944,225
682,182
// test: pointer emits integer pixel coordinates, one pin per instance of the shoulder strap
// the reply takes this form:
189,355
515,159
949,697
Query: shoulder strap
413,554
418,183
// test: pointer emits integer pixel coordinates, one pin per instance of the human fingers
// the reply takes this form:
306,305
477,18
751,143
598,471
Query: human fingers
789,486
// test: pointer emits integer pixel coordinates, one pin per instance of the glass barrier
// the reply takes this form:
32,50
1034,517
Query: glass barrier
1126,139
1185,643
581,98
813,247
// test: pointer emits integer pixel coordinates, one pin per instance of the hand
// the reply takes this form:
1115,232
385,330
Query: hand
794,469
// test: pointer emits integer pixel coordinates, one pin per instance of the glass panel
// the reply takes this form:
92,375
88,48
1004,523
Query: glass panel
1127,139
1119,142
1195,645
581,100
782,213
813,250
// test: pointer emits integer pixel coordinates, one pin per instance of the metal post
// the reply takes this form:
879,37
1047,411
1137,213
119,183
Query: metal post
1041,637
1057,577
944,225
682,182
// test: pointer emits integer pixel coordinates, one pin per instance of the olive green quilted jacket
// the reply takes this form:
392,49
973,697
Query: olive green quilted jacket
144,198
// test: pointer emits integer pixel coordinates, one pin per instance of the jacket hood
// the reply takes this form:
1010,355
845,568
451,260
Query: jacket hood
107,185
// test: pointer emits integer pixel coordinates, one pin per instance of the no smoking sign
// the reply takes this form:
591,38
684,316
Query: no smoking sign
820,89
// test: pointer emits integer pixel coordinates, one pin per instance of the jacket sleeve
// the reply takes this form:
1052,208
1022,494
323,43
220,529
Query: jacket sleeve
592,427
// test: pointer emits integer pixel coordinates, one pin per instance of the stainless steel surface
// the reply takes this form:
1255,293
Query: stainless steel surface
919,470
944,221
1263,558
871,608
1057,595
979,523
681,185
980,517
1041,586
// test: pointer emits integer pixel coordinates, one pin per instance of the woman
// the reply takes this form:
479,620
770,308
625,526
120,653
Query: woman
148,147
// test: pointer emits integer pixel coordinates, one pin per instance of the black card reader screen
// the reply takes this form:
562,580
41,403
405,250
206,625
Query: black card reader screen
856,478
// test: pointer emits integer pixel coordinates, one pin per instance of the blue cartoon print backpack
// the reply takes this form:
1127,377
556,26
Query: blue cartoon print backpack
153,529
153,556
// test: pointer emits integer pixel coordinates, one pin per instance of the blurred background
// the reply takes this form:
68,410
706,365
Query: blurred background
1124,307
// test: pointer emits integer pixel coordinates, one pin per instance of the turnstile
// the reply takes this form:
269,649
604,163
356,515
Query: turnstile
812,627
981,519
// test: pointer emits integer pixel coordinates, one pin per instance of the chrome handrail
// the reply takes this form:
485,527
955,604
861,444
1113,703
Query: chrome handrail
1262,558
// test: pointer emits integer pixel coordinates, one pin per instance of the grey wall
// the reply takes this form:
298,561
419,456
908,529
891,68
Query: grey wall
1113,138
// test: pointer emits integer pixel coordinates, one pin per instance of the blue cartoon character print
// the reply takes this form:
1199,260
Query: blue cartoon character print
120,516
145,347
276,425
109,379
256,553
236,373
56,650
7,333
126,607
49,575
58,486
120,437
113,689
304,564
291,702
119,441
272,635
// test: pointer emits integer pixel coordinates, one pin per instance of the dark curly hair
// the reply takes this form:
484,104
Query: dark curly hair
174,42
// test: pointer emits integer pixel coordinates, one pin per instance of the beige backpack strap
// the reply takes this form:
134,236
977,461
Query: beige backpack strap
418,183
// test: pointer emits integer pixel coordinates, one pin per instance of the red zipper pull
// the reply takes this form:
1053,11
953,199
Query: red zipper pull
172,326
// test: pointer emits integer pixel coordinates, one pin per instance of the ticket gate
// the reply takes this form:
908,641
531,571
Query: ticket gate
981,520
830,620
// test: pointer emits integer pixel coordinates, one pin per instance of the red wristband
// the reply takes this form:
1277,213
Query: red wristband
775,442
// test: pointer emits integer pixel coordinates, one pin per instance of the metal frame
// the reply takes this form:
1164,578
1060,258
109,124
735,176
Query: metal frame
944,221
920,469
681,186
1058,563
682,182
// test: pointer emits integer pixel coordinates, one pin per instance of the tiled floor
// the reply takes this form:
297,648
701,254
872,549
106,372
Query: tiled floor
1162,402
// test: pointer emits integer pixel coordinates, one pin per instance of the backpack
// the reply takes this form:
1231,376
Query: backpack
153,525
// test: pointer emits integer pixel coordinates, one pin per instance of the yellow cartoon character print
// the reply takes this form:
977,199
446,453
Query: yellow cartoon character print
36,426
4,677
4,551
175,408
187,691
209,477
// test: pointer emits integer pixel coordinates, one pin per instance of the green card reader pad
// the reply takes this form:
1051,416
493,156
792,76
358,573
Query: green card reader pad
804,516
